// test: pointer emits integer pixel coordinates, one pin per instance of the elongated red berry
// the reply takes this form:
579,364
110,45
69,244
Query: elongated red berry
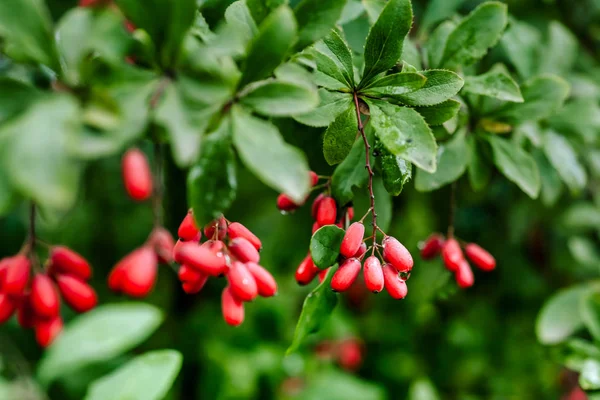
352,239
315,227
135,274
350,354
452,255
284,203
243,250
266,284
25,314
177,251
480,257
202,259
216,229
314,178
306,271
65,261
373,274
4,264
464,275
188,229
350,213
395,286
327,211
396,254
241,282
432,246
76,293
216,246
236,230
361,250
44,297
232,308
345,275
137,176
193,287
323,274
16,275
46,331
188,274
163,243
315,205
7,307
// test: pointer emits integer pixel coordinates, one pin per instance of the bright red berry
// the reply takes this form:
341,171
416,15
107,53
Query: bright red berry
395,286
361,250
76,293
284,203
464,275
44,297
314,178
7,307
202,259
135,274
352,239
193,287
480,257
241,282
243,250
315,205
306,271
396,254
323,274
432,246
188,274
452,255
373,274
137,176
236,230
163,244
350,354
315,227
65,261
327,211
345,275
265,282
188,230
220,225
47,330
232,308
16,275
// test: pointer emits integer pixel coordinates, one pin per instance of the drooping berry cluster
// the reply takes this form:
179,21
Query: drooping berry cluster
36,299
454,259
230,250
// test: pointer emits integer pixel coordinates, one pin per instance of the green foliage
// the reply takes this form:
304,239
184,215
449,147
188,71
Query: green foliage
325,245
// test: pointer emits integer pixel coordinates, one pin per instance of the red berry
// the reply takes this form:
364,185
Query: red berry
241,282
188,229
44,297
464,275
211,228
265,282
315,205
432,246
7,308
16,275
306,271
232,308
202,259
350,354
452,255
243,250
4,264
47,330
480,257
314,178
315,227
395,286
345,275
350,213
177,250
284,203
137,176
361,250
76,293
163,244
327,211
236,230
323,274
65,261
138,275
352,239
193,287
396,254
25,315
188,274
373,274
216,246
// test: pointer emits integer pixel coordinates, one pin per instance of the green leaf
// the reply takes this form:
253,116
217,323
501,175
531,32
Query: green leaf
276,35
384,43
440,86
317,307
373,9
451,165
394,85
331,105
278,99
552,185
496,83
262,8
411,54
475,35
521,43
563,158
437,43
333,384
8,197
423,389
560,54
439,10
26,26
582,216
212,182
325,245
480,170
439,113
238,14
560,318
543,96
404,133
349,174
334,60
589,379
340,136
315,19
579,117
585,252
99,335
395,171
146,377
263,151
16,97
590,313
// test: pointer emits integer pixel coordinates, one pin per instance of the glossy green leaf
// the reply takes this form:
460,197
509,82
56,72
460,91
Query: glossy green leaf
440,86
325,245
384,43
16,97
334,60
340,136
333,384
552,186
262,8
479,168
395,171
423,389
496,83
146,377
522,44
451,165
564,159
350,174
394,85
475,35
263,151
585,251
579,117
315,19
238,14
404,133
590,313
331,104
582,216
8,196
560,317
589,379
99,335
411,54
277,99
437,43
317,307
516,165
560,54
439,113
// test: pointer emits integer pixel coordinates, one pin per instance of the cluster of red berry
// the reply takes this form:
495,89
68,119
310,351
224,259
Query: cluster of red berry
36,300
230,250
348,353
454,259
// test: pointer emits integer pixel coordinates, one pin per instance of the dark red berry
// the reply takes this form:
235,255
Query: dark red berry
284,203
220,225
137,176
452,255
345,275
232,308
76,293
243,250
265,282
202,259
65,261
163,244
396,254
464,275
350,354
46,331
306,271
16,275
432,246
44,297
373,274
188,274
7,307
395,286
327,211
314,178
25,314
241,282
352,239
480,257
315,205
188,229
361,250
236,230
